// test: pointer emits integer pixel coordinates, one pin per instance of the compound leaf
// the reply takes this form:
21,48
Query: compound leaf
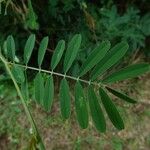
111,110
81,106
29,48
112,57
65,101
39,88
96,111
94,57
121,95
11,47
72,50
128,72
49,93
57,54
42,50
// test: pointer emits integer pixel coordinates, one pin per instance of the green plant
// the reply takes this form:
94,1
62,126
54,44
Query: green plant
99,61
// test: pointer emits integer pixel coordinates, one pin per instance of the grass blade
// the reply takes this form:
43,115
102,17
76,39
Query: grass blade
39,88
96,111
65,102
29,48
111,110
49,94
72,50
111,58
11,47
57,54
96,55
121,95
81,106
42,50
128,72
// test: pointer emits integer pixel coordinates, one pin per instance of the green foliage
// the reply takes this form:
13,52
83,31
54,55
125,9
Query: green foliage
31,18
121,95
96,55
42,50
39,88
65,102
44,90
81,106
71,52
112,57
111,110
128,72
18,73
11,47
96,111
29,48
49,93
57,54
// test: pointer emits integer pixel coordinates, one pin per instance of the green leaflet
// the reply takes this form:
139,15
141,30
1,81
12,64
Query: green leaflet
96,111
49,93
111,110
42,50
128,72
11,47
121,95
112,57
29,48
24,88
72,50
57,54
65,99
18,73
39,88
96,55
81,106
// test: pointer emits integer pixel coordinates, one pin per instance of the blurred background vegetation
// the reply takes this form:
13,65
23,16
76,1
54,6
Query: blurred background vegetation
96,20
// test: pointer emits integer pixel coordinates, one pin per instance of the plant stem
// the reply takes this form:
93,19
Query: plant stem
27,111
58,74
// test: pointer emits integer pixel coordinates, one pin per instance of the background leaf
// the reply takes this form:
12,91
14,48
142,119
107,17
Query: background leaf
11,47
96,111
57,54
29,48
18,73
111,110
81,106
94,57
39,88
121,95
72,50
42,50
112,57
128,72
65,99
48,93
24,88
